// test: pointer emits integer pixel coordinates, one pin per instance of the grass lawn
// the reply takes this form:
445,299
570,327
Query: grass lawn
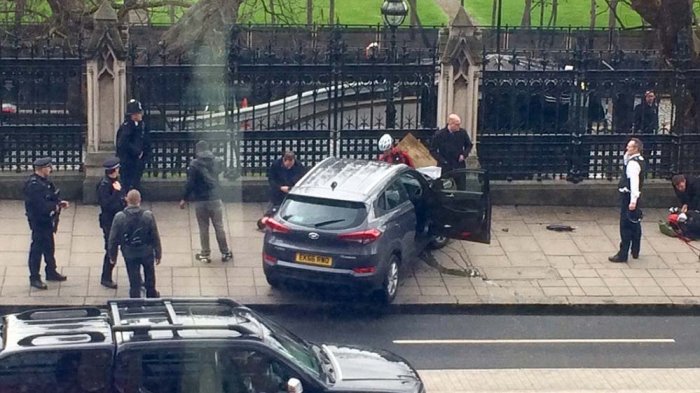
570,13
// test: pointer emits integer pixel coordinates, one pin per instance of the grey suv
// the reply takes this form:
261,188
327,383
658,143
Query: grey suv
356,223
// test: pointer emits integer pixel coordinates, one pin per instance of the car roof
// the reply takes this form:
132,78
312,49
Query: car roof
129,320
346,179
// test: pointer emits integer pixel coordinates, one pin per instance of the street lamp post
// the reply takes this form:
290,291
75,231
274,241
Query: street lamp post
394,13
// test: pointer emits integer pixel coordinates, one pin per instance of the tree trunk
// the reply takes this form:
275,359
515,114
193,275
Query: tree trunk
612,16
273,15
594,14
527,15
309,12
494,11
331,12
553,15
206,23
20,6
413,13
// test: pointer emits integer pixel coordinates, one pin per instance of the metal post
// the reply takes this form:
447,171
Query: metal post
498,28
390,107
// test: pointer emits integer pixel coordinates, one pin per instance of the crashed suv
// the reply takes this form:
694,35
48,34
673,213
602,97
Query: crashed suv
182,346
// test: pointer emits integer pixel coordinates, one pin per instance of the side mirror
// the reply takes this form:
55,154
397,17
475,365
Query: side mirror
294,386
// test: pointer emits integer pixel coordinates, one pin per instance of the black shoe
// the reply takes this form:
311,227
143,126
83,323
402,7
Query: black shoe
227,256
56,276
38,284
635,255
617,259
109,284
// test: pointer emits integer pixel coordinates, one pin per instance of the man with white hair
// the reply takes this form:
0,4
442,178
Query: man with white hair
451,145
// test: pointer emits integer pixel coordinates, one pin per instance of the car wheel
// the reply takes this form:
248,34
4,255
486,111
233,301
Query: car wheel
391,280
439,242
273,282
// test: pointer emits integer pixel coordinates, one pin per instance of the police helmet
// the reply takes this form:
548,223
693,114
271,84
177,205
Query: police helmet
133,106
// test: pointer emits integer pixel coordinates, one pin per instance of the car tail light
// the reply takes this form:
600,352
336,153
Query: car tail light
362,237
269,259
365,270
465,235
275,226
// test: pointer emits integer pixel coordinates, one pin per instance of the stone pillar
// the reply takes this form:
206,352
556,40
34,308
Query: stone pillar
460,50
106,93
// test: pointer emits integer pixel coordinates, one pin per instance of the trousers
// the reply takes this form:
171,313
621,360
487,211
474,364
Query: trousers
133,269
107,266
630,227
42,245
211,211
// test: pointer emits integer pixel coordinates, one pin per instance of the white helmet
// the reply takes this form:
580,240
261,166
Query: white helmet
385,142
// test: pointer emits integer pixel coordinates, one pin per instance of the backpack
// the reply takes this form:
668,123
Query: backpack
136,233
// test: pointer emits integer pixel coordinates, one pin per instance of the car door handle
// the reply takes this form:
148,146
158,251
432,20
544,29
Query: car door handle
449,195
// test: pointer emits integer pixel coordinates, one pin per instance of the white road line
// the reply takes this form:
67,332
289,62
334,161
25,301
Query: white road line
543,341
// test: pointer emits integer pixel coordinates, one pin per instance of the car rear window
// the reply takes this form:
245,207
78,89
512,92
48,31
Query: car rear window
322,213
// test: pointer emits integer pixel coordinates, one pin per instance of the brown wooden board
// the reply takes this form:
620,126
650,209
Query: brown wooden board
419,153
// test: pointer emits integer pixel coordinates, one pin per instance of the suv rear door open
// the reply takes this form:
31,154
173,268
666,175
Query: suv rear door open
461,206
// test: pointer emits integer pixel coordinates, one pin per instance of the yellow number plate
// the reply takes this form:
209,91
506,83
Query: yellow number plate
314,259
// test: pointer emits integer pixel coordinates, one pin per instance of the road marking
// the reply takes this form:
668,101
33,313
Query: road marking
544,341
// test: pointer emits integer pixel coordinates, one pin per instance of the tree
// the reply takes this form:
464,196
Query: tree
526,21
594,14
553,15
612,15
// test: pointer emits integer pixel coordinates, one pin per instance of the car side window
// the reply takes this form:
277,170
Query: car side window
413,186
392,197
63,371
250,371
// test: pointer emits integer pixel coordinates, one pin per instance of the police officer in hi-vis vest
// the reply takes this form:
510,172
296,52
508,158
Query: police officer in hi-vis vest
630,188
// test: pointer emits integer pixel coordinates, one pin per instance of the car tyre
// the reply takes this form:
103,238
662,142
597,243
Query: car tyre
438,242
273,282
390,285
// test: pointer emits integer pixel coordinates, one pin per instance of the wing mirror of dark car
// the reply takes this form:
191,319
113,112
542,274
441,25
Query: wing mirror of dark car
294,386
447,184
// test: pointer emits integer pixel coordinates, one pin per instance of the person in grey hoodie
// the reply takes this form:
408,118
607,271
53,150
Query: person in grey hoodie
134,230
203,189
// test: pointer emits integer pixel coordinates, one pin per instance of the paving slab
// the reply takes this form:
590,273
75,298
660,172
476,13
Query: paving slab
524,264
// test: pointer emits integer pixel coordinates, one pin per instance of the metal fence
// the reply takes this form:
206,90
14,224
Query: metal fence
568,115
42,104
317,95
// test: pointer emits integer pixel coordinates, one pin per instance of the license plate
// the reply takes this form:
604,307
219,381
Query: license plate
314,259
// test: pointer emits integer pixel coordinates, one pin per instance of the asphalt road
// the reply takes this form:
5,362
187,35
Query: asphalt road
513,341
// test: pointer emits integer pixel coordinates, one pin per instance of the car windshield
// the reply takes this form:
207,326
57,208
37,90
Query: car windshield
322,213
293,347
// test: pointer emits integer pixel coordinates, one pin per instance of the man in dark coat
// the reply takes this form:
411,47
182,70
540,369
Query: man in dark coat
203,189
43,206
282,175
134,230
687,190
110,197
133,146
451,145
646,115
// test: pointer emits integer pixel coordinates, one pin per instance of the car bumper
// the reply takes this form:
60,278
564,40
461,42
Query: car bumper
291,272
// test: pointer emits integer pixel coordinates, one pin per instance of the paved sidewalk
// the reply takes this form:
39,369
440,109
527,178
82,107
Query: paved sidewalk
525,264
562,380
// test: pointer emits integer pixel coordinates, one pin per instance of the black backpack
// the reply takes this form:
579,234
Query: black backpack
136,233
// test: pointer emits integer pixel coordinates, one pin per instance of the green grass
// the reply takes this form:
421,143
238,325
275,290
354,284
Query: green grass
570,13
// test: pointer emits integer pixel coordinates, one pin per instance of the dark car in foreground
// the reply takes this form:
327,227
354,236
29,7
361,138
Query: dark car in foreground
182,346
357,223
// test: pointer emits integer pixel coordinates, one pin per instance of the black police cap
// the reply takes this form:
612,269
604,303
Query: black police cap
111,163
43,162
133,106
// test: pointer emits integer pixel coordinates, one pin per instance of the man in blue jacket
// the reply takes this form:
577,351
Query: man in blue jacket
282,175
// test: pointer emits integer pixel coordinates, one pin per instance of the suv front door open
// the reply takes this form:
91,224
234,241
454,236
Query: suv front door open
461,206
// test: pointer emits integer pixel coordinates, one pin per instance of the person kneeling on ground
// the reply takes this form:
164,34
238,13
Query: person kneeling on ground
687,190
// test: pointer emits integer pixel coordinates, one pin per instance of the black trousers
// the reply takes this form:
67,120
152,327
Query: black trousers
42,245
130,174
133,268
107,267
630,227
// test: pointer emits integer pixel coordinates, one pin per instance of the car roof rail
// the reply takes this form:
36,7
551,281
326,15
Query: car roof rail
59,314
121,310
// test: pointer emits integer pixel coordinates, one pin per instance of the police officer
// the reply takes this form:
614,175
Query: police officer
43,206
630,188
133,146
110,196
